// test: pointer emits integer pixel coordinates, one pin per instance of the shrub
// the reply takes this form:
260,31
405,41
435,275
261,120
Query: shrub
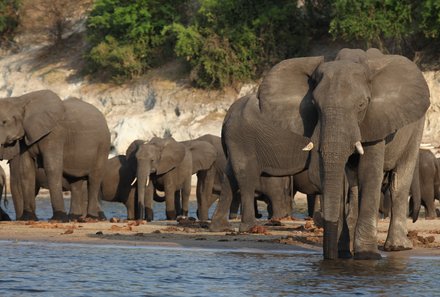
232,41
125,36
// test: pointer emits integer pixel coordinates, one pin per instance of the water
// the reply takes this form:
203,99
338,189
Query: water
55,269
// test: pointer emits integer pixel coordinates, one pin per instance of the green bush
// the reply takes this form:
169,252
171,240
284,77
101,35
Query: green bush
9,18
232,41
430,18
125,36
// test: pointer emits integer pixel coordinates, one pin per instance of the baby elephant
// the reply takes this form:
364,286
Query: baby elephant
167,165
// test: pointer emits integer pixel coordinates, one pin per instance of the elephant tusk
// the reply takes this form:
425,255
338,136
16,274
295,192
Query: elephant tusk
359,148
148,181
134,181
308,147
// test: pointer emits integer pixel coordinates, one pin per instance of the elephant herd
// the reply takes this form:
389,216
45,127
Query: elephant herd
348,129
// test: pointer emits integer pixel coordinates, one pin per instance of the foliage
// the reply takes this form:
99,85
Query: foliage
372,20
430,18
9,18
233,40
126,37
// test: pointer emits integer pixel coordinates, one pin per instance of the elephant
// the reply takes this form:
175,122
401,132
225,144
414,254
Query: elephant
427,176
314,114
3,215
66,138
169,165
272,190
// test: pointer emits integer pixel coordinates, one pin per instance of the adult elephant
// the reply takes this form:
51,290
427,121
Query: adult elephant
363,102
67,139
169,165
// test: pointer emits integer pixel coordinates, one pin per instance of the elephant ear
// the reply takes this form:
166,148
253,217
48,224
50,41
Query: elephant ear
172,154
43,110
399,96
285,95
133,148
203,154
10,151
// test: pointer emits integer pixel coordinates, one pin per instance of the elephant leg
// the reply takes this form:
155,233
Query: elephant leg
177,202
344,247
277,202
23,187
130,204
205,196
235,206
77,199
219,220
247,179
370,173
186,192
429,202
310,205
148,202
397,238
93,185
170,201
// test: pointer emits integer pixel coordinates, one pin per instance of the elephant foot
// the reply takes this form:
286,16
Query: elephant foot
100,217
185,213
171,214
246,227
28,216
430,217
220,226
4,216
149,214
395,245
75,217
367,255
60,216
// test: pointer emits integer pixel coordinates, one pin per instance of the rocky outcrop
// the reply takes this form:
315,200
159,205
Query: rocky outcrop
151,106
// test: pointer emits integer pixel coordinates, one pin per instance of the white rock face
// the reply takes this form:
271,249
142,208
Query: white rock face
150,106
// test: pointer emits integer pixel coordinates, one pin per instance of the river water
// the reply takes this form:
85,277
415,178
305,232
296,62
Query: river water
54,269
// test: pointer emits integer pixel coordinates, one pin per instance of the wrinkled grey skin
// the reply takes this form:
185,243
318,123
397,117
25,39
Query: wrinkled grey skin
272,190
3,215
67,139
428,179
167,165
361,99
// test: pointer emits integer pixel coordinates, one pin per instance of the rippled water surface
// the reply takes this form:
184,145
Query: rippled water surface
53,269
45,269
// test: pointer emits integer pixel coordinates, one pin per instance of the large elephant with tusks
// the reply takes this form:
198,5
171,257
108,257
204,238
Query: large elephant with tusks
363,102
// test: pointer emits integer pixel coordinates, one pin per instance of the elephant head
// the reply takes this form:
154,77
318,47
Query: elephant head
358,98
29,117
157,156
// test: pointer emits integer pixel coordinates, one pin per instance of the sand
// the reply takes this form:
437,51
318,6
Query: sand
291,235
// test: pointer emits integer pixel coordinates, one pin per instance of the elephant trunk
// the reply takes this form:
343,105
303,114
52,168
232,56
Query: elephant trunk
143,177
335,148
333,178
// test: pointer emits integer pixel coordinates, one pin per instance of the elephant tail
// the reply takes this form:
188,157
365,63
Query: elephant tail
5,202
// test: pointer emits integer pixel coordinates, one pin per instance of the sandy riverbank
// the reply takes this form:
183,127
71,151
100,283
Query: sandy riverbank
292,235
